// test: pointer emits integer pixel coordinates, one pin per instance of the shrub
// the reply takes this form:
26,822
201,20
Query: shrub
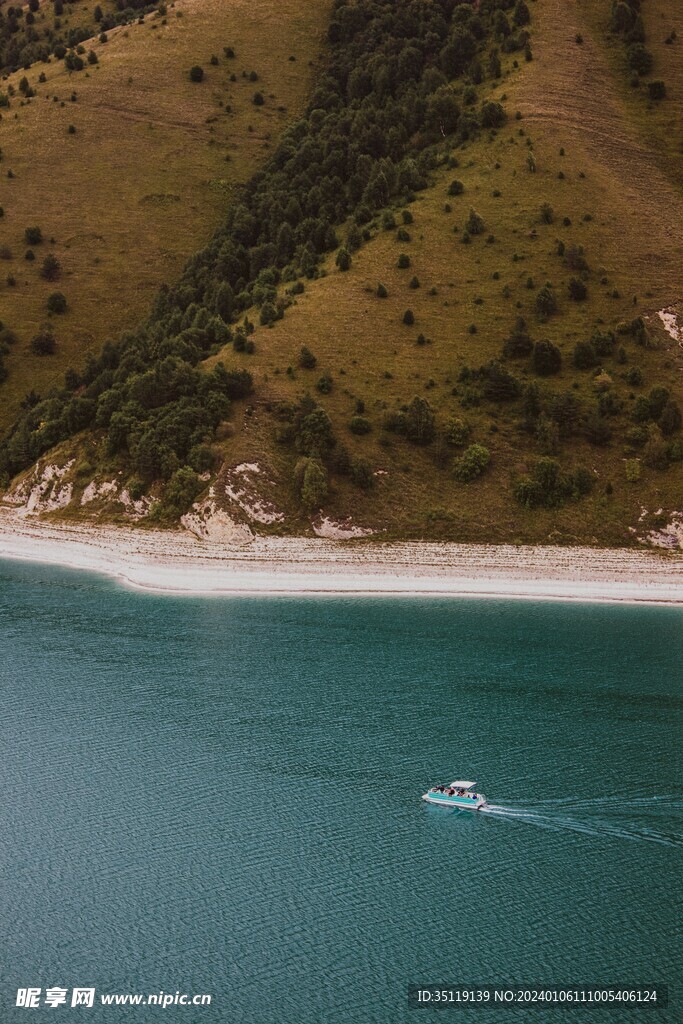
546,486
361,474
43,343
471,463
33,236
72,129
181,491
402,235
258,99
236,383
632,470
381,292
519,343
56,302
457,432
521,14
597,429
656,452
585,356
475,223
343,260
324,385
403,261
577,290
414,282
547,213
546,303
547,358
492,115
499,384
360,425
409,317
639,59
456,188
419,422
656,90
670,418
196,73
314,486
306,358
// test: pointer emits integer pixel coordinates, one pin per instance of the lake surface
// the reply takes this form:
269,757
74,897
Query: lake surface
222,796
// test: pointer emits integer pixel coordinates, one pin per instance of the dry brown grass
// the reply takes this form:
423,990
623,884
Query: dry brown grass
148,174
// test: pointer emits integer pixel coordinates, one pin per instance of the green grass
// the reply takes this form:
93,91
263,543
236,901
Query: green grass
362,343
594,165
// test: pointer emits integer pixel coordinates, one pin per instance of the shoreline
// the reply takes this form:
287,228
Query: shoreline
179,563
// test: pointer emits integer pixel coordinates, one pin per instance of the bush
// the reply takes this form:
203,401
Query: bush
519,343
547,358
546,303
314,486
343,260
632,470
258,99
361,474
656,90
409,317
639,59
492,115
456,188
196,73
475,223
419,423
306,359
51,268
381,292
359,425
403,261
499,384
656,452
471,463
546,486
597,429
670,419
577,290
43,343
181,491
585,356
414,282
457,432
56,302
33,236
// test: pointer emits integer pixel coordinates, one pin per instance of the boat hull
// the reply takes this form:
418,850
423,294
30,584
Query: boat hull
461,803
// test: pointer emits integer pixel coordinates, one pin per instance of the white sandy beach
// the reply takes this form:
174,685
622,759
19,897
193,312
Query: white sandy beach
179,562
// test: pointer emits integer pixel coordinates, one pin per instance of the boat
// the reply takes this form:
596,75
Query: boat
459,794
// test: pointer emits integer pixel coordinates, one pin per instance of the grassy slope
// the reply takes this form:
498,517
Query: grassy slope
658,125
146,177
571,97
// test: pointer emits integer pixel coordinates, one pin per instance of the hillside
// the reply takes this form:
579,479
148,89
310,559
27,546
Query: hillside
464,340
145,178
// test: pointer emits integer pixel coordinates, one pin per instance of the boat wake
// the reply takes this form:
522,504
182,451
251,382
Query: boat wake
592,817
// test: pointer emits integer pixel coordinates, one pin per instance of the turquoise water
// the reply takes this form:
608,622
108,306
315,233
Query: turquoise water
223,796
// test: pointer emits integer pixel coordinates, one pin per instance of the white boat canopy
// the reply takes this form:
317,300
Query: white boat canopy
462,785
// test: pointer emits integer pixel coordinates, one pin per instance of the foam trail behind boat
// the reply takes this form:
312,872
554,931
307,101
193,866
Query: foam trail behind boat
591,826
